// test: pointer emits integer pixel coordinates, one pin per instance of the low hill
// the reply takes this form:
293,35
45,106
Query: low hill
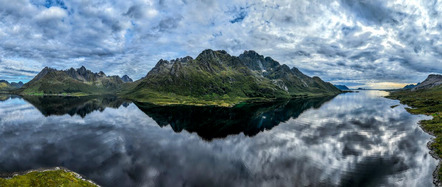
410,86
342,87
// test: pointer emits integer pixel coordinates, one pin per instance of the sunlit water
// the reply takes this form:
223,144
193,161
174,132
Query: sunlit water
353,139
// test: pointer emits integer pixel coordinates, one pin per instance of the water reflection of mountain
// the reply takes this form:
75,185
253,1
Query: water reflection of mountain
82,106
5,97
218,122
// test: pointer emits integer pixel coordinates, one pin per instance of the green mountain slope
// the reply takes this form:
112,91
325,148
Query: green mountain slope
73,82
215,77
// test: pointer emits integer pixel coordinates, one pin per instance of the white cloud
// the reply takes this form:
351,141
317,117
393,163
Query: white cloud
341,41
52,13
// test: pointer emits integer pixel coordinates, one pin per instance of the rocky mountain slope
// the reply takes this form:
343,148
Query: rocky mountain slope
432,81
216,75
80,81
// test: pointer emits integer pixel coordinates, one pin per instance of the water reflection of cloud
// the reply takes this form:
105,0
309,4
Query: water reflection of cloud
352,140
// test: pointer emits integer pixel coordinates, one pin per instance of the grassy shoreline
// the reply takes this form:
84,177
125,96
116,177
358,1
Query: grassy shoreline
427,102
49,177
166,99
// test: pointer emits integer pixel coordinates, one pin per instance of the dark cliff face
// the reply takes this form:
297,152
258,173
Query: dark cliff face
126,79
257,62
248,75
432,81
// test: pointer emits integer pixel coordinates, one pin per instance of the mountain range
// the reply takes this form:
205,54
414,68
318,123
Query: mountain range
72,81
212,78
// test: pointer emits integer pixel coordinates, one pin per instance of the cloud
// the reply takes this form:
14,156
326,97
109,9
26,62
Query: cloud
347,42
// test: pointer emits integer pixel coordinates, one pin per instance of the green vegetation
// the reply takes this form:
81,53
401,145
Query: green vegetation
428,102
56,177
157,98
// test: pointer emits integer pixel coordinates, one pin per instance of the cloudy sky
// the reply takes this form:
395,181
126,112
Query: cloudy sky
366,43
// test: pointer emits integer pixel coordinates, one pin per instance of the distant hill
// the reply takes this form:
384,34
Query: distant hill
432,81
216,75
6,86
410,86
342,87
72,81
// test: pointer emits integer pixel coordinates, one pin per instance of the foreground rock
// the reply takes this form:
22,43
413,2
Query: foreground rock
53,177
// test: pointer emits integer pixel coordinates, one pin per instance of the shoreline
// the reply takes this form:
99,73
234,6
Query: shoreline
415,103
186,100
436,180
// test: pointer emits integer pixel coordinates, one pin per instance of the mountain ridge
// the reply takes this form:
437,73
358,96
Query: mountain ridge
217,75
79,81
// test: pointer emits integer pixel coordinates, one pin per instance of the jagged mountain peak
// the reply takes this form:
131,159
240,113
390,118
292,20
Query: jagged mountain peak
258,62
210,55
126,78
182,60
251,53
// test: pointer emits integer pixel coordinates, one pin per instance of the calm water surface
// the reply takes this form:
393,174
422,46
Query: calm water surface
353,139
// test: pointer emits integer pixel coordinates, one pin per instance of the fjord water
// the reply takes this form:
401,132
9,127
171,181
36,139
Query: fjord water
353,139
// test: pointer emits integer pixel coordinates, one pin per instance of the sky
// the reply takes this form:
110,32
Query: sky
366,43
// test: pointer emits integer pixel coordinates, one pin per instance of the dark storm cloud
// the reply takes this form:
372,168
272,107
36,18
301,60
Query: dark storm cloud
351,42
